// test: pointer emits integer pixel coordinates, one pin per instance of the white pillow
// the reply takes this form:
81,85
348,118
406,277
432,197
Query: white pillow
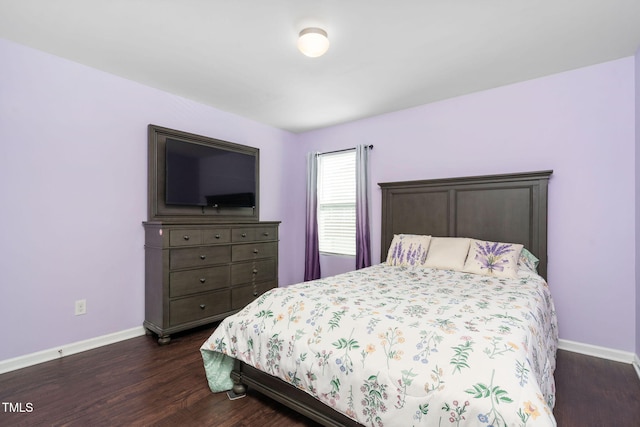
408,249
447,253
493,258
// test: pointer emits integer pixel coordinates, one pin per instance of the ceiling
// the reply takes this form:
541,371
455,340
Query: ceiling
240,56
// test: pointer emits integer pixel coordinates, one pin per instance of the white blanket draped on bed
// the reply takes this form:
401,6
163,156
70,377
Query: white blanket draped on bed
398,346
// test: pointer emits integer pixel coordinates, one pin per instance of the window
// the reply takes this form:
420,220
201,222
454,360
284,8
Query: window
337,202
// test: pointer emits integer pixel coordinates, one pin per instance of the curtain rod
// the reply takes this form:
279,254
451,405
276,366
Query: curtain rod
370,147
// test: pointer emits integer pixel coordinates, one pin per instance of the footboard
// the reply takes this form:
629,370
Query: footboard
245,375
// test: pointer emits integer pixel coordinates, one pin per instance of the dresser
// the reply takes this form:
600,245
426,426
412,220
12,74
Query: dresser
200,273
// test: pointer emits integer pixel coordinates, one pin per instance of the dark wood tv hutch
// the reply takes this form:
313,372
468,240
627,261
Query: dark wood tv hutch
202,263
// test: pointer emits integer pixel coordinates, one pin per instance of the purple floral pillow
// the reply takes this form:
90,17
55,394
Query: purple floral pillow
408,249
493,258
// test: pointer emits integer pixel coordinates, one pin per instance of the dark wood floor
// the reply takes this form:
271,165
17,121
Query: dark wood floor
138,383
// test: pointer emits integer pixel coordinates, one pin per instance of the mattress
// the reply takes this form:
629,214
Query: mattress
402,346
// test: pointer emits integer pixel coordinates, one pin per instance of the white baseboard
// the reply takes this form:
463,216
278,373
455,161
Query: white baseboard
597,351
20,362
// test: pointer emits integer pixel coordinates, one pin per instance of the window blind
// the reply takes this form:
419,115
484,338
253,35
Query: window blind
337,202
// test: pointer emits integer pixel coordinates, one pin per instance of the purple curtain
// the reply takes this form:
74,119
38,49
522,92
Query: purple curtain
363,231
312,251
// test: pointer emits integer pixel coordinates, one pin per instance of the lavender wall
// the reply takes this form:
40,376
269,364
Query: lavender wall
578,123
73,186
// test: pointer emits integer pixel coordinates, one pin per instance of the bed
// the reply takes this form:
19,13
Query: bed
421,338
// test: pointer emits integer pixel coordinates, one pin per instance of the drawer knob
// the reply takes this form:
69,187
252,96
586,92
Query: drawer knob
185,237
217,236
244,234
202,280
255,294
266,233
203,257
202,306
255,271
255,251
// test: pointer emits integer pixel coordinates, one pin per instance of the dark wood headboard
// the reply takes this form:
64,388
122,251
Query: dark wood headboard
501,208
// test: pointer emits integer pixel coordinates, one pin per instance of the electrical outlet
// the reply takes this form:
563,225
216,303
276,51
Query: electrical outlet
81,307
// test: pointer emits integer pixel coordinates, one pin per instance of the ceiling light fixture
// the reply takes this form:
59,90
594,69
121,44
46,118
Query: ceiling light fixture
313,42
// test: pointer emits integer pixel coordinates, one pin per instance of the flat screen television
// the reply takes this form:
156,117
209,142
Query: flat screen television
203,175
194,178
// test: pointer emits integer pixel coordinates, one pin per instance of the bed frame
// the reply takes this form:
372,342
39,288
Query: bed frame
503,208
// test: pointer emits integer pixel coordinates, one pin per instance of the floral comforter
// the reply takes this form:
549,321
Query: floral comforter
399,346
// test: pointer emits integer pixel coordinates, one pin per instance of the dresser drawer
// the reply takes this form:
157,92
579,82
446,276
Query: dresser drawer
266,233
243,295
198,257
254,251
185,237
218,235
198,280
253,271
251,234
243,234
198,307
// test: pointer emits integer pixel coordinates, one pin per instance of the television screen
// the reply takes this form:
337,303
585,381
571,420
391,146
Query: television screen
201,175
